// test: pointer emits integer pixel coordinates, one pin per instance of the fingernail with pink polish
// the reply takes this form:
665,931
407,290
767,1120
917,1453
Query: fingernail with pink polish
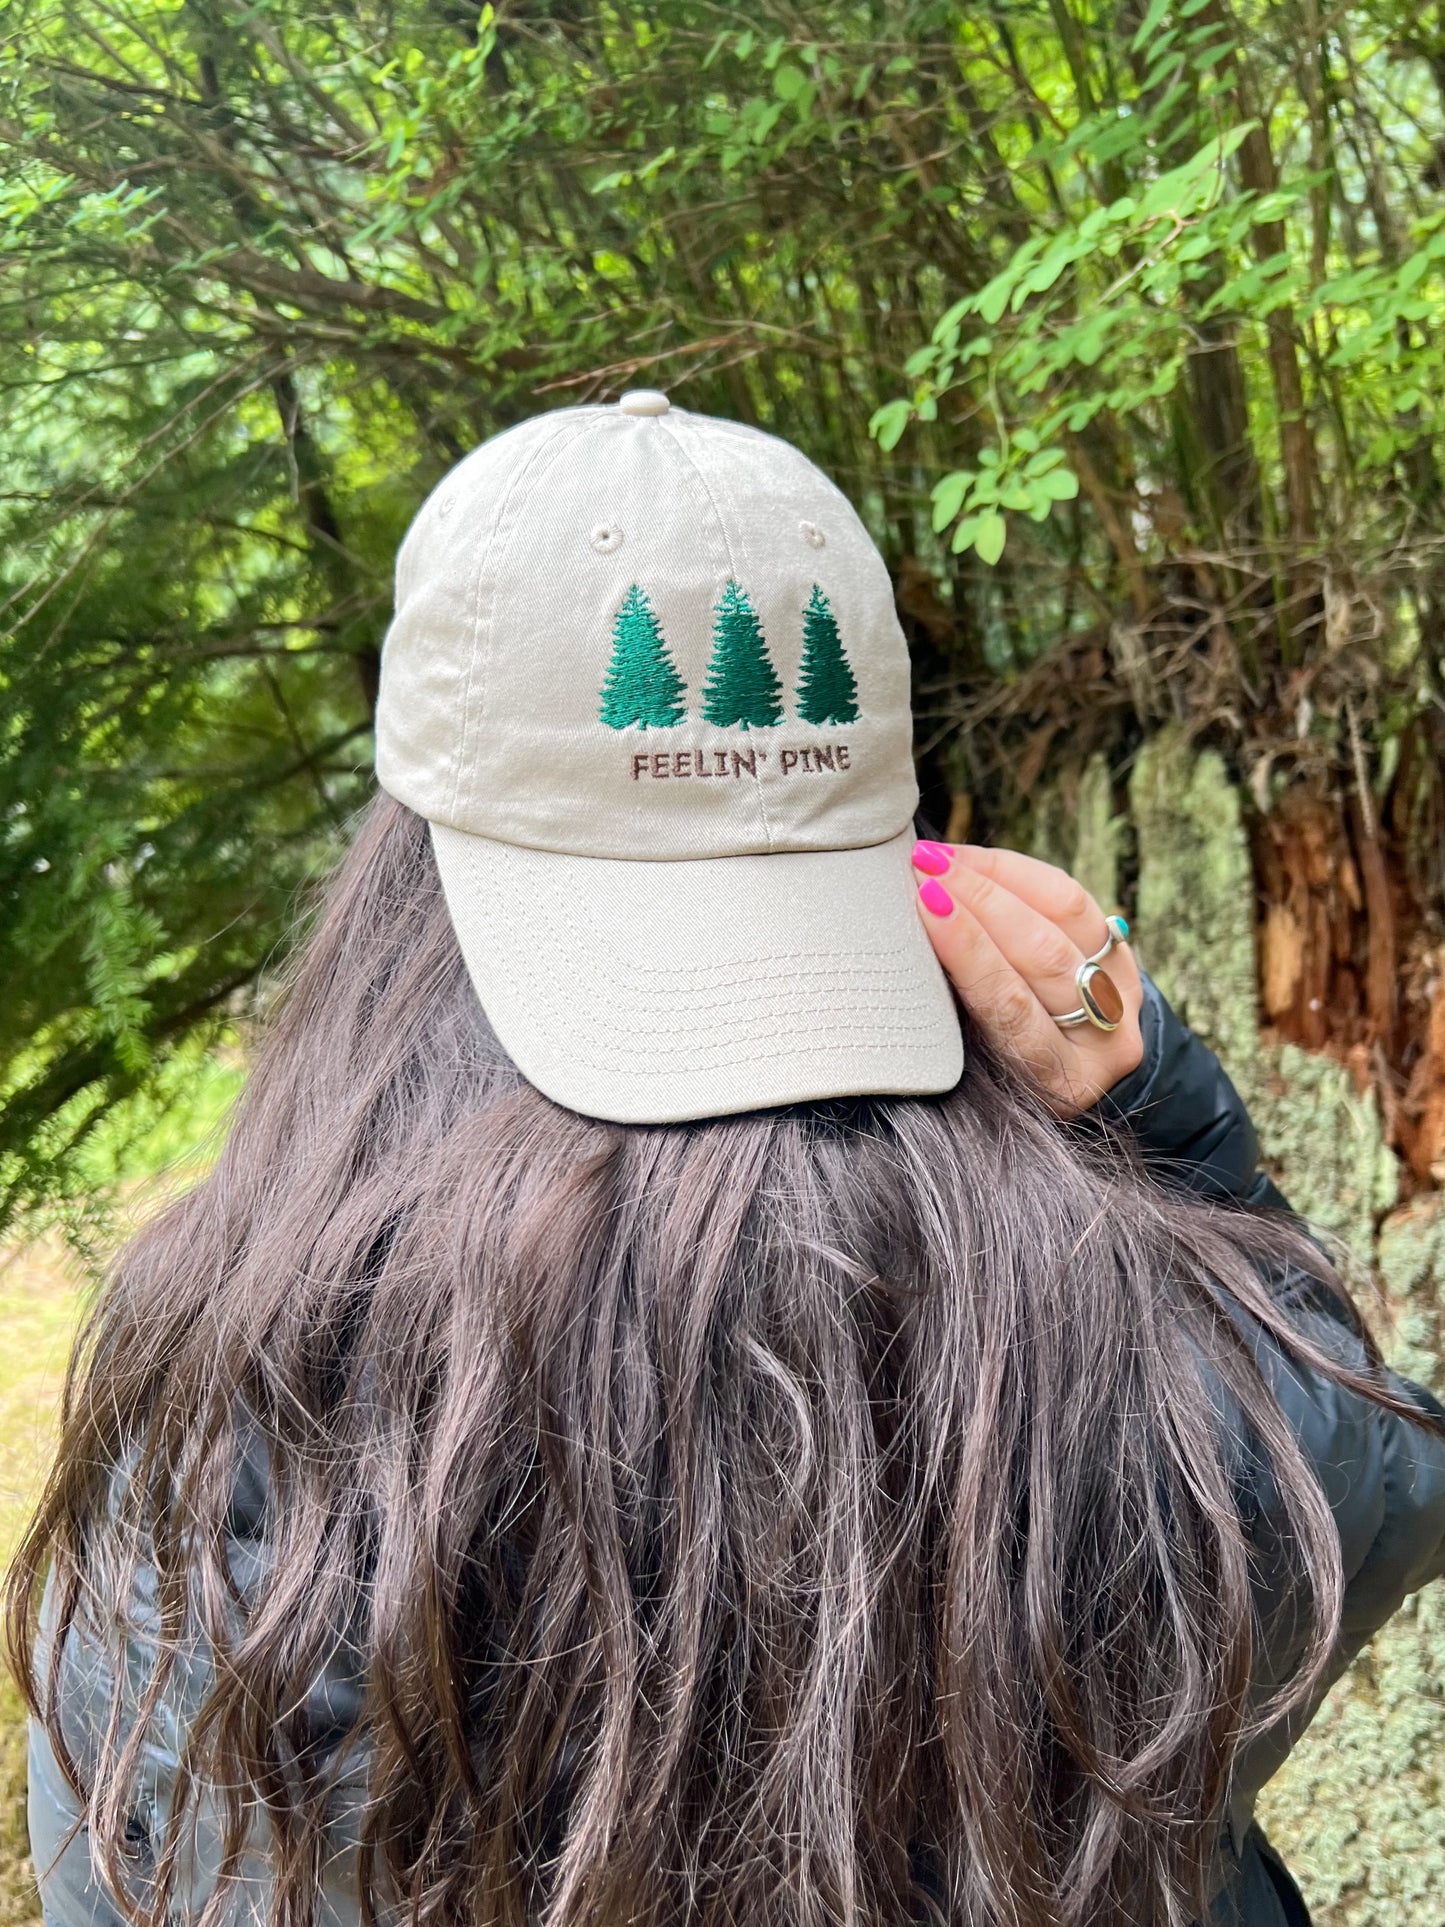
936,898
932,858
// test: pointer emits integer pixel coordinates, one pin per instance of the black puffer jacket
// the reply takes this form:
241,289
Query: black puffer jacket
1384,1478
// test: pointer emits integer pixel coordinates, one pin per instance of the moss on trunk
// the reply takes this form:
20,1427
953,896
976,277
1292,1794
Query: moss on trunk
1359,1810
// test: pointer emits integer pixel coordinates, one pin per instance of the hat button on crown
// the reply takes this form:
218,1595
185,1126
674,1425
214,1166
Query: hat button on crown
644,401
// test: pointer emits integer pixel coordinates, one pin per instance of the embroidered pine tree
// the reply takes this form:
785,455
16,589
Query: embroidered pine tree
642,687
742,688
827,692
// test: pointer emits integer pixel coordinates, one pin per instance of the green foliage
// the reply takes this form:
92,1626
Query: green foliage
1102,317
642,686
827,691
742,687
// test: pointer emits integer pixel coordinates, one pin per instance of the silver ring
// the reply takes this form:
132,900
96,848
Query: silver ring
1118,933
1093,1010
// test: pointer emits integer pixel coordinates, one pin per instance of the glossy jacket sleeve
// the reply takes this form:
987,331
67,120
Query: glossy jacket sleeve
1187,1118
1383,1477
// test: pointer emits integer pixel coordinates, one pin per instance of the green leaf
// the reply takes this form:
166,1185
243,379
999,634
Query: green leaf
993,299
989,538
948,323
1149,25
1166,63
1041,463
1271,207
1043,276
888,423
948,497
1059,485
1077,418
760,118
1413,271
1089,341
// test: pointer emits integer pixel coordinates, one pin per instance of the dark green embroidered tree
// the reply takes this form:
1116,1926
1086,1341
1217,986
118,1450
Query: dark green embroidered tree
827,692
742,687
642,687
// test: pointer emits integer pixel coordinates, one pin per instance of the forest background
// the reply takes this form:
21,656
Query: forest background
1121,320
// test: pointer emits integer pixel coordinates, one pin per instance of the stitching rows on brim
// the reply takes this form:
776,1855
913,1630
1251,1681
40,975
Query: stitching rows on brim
821,1053
802,970
892,962
656,1038
742,974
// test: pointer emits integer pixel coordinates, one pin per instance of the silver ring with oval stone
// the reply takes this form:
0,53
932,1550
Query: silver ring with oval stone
1100,1002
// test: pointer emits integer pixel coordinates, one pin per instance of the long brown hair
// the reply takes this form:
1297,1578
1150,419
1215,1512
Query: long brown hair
807,1517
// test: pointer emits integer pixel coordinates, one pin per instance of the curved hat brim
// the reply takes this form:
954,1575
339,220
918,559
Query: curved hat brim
657,992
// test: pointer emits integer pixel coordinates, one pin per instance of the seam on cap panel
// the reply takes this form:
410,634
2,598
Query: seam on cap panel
426,515
483,563
498,540
692,462
548,444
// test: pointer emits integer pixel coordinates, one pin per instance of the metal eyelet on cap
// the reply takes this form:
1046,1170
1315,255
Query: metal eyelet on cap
644,401
606,537
812,534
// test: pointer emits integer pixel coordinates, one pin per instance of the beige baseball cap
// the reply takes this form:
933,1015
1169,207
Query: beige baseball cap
646,682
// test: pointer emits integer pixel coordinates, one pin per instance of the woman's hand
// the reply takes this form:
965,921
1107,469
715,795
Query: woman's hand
1011,932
